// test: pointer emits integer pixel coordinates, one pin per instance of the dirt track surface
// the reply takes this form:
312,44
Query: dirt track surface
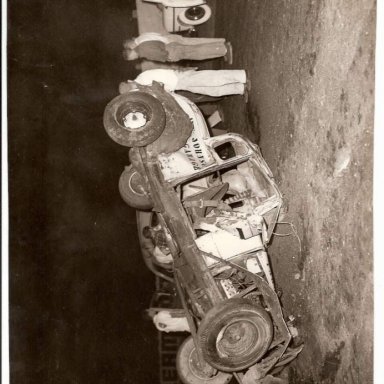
311,64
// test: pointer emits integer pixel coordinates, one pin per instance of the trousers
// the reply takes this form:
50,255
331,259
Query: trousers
206,82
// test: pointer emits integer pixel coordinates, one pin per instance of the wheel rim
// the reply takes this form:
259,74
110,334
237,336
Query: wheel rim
137,109
134,120
235,334
239,338
195,13
195,368
135,184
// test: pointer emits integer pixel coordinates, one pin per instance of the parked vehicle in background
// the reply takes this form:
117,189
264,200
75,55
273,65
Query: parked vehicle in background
212,207
182,15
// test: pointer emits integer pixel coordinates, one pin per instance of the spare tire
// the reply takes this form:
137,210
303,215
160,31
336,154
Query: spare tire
134,119
195,15
235,334
133,189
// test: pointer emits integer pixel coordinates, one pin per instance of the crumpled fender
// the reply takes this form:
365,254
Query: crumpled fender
178,126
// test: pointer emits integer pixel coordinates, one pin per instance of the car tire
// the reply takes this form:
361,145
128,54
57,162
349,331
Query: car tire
195,15
188,368
136,101
133,190
235,334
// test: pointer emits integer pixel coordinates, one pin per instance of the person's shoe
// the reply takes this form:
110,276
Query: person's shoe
228,57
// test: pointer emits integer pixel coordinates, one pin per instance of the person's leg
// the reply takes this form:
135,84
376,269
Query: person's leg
173,38
210,78
213,83
177,52
198,98
220,90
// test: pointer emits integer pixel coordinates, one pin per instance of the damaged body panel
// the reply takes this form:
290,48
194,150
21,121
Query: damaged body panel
216,204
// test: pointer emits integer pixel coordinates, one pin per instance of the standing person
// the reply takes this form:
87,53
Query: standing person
214,83
172,48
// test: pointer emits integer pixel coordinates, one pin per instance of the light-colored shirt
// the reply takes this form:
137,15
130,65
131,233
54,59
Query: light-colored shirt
166,76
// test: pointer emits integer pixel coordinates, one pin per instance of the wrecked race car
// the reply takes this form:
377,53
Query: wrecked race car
216,205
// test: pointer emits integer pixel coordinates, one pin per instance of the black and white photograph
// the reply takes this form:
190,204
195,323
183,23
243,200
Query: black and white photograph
188,192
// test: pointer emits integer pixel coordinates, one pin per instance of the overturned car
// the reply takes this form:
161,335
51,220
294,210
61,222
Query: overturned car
216,205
